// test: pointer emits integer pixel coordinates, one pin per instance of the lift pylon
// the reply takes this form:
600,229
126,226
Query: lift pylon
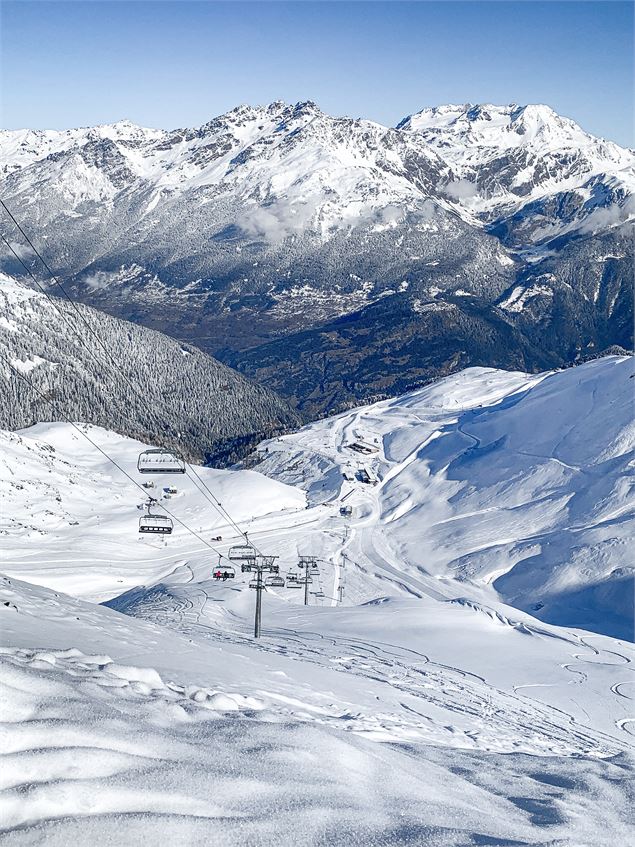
259,566
307,565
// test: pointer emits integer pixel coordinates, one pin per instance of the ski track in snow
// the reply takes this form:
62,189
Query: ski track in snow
142,771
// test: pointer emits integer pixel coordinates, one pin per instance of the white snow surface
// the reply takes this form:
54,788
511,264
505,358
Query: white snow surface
293,168
539,154
431,707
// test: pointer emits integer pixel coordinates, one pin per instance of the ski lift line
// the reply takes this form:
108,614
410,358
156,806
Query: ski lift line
215,501
110,459
73,304
69,323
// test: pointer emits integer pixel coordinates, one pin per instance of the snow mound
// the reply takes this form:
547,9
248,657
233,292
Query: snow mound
492,614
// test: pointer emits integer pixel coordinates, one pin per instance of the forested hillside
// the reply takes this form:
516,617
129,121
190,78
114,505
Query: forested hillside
146,385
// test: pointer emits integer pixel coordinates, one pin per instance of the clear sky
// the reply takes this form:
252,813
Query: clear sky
173,64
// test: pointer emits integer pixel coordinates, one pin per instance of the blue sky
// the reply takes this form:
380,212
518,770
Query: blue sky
170,64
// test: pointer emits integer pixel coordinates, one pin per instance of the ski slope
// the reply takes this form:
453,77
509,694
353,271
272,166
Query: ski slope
518,486
142,731
432,706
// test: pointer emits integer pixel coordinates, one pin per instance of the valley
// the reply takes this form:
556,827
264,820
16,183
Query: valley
337,260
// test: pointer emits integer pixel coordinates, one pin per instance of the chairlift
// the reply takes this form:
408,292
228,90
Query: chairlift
158,460
224,572
241,553
292,581
275,581
161,524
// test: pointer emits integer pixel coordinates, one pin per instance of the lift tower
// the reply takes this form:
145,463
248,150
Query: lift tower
259,566
308,567
255,563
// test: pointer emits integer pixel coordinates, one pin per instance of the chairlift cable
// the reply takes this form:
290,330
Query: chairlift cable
104,453
214,501
90,350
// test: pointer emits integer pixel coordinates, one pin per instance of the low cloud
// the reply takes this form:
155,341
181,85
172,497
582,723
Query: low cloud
460,189
98,281
389,215
277,221
608,216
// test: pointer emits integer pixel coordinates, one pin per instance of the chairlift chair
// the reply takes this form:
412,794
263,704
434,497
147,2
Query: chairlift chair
224,572
241,553
292,581
157,460
150,523
274,582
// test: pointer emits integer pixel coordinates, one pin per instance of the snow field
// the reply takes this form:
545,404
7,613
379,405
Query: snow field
87,759
424,710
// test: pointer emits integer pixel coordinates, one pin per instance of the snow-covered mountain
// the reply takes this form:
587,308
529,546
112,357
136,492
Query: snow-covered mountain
89,366
273,224
499,499
532,174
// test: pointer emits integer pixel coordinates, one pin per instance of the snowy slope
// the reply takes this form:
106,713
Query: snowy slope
169,719
64,500
523,484
423,709
102,746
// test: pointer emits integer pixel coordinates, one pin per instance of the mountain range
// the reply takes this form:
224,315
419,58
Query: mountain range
334,259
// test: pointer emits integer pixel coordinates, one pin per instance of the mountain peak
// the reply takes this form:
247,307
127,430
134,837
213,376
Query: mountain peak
469,114
485,125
